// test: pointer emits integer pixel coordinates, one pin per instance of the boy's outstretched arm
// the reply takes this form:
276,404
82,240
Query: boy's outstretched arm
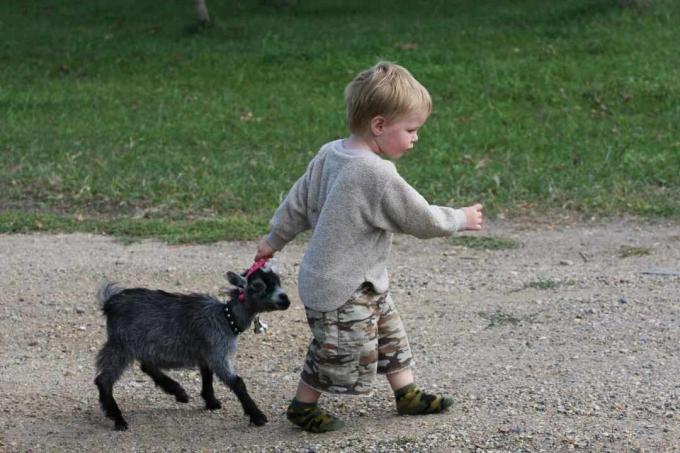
403,210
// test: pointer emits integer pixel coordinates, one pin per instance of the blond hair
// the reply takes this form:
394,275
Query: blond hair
386,89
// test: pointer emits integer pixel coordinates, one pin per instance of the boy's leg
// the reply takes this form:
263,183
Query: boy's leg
342,359
306,394
394,355
303,411
400,379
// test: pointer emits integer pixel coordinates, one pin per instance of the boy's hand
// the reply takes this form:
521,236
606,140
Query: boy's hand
264,250
474,217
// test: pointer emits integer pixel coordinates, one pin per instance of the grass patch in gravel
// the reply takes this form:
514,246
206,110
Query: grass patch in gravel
485,242
542,284
626,251
498,318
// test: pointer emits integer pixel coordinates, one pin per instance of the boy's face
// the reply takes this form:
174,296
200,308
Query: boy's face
395,138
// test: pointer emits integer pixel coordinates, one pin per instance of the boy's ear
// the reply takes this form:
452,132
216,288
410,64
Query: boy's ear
237,280
378,125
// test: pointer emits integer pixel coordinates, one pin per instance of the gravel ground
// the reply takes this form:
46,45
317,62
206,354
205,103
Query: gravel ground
564,343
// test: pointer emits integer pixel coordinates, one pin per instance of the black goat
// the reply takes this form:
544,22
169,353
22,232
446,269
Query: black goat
164,330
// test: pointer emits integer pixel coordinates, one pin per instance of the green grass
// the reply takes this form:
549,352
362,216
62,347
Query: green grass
113,118
169,230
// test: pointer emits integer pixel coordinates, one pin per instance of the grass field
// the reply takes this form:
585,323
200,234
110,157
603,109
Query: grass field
115,118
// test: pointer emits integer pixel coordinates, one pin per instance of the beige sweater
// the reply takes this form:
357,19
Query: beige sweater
353,200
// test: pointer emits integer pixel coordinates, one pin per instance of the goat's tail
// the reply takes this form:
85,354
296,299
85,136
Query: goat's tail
107,291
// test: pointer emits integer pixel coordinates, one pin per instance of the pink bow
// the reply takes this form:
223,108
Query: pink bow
259,264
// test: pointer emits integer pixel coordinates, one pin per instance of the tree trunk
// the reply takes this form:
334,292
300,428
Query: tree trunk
202,12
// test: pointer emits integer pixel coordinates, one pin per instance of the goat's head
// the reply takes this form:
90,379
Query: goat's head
260,289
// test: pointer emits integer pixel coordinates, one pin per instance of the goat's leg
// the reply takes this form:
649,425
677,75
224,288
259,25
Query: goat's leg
237,386
111,362
207,391
165,382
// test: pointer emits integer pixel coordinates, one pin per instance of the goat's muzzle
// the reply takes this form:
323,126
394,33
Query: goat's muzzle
283,302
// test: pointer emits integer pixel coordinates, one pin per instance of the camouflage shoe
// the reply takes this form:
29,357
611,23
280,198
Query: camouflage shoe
413,401
312,418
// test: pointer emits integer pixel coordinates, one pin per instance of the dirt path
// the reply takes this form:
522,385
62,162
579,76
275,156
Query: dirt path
563,343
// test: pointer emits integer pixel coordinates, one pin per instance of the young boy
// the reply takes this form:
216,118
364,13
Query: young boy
353,200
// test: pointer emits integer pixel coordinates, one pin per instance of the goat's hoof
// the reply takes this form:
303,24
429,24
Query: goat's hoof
258,419
121,425
213,405
182,397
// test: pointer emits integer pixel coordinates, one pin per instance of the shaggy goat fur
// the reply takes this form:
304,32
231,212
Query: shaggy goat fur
163,330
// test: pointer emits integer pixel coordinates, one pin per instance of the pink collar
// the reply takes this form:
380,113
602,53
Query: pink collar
259,264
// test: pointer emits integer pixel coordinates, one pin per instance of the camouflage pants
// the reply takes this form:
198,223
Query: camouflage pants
350,345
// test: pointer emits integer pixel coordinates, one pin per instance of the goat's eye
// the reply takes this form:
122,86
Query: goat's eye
258,286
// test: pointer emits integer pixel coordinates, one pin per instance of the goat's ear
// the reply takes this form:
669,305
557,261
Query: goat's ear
237,280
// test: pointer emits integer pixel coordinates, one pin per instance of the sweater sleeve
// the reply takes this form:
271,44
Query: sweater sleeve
290,218
401,209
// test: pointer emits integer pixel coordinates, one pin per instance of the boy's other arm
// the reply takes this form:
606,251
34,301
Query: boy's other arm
290,218
403,210
264,250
